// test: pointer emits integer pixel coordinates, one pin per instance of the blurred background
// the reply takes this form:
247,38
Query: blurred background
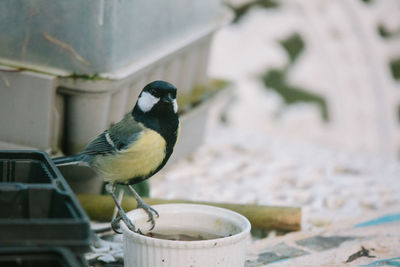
292,103
312,119
282,103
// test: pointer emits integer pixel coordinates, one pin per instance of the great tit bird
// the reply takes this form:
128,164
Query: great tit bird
135,148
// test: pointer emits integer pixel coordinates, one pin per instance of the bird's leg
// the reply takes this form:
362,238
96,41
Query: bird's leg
149,210
119,198
122,215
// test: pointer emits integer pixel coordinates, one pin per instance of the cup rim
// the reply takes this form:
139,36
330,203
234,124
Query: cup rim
223,241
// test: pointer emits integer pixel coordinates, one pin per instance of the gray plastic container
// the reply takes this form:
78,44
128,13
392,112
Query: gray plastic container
54,112
95,36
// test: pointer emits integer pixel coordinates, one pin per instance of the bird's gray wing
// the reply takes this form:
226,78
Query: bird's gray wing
102,144
117,138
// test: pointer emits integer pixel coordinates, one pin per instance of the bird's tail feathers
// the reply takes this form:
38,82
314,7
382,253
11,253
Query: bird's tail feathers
69,160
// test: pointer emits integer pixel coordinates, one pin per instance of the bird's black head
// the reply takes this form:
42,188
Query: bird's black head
158,96
157,109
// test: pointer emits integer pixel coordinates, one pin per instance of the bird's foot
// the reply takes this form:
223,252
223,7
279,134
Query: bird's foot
115,225
141,205
150,212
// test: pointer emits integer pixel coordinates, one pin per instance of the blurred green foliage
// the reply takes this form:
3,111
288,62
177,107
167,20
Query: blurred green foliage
367,1
293,46
199,94
387,34
241,10
398,113
383,32
395,68
276,79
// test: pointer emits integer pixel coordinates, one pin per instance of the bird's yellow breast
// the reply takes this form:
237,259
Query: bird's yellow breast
139,159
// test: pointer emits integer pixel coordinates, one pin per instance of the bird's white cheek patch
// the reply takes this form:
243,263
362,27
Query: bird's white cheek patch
146,101
175,106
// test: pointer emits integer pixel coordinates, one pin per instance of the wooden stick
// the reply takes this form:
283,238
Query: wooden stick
100,208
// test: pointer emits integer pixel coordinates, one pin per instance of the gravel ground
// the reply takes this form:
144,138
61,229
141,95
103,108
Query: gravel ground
270,153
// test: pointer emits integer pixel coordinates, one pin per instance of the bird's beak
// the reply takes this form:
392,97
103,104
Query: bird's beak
167,98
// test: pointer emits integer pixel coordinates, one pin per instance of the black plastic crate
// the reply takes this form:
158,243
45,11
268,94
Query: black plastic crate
37,207
39,257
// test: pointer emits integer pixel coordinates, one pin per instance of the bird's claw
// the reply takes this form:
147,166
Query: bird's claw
115,224
116,227
150,212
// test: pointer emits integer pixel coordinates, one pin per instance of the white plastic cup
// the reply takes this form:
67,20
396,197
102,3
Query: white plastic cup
227,251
